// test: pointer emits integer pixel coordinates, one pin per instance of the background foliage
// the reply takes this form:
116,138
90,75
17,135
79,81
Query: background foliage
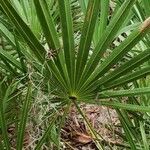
55,54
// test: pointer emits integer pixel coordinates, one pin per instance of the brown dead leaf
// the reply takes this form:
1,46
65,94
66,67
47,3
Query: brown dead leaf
83,138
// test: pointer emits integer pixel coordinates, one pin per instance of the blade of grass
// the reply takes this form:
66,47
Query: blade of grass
7,34
127,132
93,133
50,33
138,11
144,138
7,67
24,30
85,42
130,77
11,39
119,52
47,25
5,55
31,15
25,7
126,67
62,121
147,7
4,69
3,123
4,96
21,56
4,128
23,49
117,105
83,4
143,72
122,93
106,39
23,118
19,9
68,39
128,28
103,17
129,122
31,40
42,140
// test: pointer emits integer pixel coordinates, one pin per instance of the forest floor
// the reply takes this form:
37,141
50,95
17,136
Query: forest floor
76,134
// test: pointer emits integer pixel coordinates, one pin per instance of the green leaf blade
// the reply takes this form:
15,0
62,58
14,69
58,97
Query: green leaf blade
24,116
85,42
68,39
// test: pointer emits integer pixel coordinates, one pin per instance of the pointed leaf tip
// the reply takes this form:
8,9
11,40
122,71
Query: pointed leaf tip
145,25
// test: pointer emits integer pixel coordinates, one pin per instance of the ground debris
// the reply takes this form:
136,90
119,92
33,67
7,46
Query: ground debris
76,135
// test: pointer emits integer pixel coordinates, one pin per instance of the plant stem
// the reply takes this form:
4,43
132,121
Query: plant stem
93,133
